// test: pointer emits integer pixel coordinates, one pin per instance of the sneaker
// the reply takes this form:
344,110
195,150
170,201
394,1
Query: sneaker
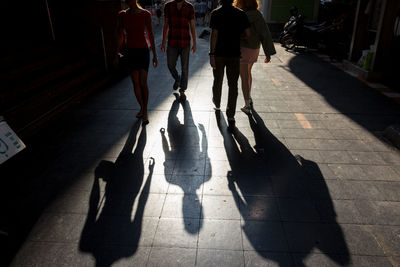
246,109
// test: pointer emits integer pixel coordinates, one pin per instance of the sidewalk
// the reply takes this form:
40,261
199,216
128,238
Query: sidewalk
306,181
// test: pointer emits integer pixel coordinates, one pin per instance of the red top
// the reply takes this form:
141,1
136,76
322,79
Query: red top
178,20
135,27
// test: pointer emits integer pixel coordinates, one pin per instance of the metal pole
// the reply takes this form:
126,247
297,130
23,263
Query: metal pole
50,21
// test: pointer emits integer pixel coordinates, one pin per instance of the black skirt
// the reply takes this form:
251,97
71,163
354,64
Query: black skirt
137,58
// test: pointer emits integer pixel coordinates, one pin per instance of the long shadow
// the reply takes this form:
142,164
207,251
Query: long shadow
277,194
349,96
191,160
109,233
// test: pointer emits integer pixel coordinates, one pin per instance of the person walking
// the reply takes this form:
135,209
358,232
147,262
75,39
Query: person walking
228,25
179,27
250,47
203,10
133,24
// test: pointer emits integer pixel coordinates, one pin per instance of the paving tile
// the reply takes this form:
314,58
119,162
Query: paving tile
268,259
304,237
297,143
336,157
361,241
52,227
348,171
370,261
172,257
328,189
297,210
217,186
326,144
253,186
363,190
220,207
189,167
367,158
207,257
264,236
317,259
259,208
177,233
389,190
189,184
392,157
288,187
221,234
384,212
386,173
340,211
182,206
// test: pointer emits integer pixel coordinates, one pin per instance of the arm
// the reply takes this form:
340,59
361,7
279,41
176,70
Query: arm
119,36
265,38
150,33
213,43
193,33
164,33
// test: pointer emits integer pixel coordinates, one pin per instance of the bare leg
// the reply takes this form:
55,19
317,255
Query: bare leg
244,76
250,79
144,92
138,90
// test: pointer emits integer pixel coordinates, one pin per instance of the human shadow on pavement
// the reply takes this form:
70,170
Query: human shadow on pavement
110,233
191,160
277,196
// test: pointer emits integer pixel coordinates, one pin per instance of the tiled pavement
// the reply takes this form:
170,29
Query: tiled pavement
305,181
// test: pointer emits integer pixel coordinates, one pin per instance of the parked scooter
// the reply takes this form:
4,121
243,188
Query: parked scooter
296,34
291,35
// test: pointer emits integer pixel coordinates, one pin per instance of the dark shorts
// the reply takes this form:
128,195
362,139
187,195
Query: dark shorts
137,58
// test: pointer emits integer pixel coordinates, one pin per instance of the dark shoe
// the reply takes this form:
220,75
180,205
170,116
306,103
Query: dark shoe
246,109
182,95
216,107
145,120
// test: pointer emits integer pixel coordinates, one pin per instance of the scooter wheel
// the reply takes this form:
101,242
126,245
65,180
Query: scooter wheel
288,43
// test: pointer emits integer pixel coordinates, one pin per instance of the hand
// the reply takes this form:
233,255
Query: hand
163,47
193,48
155,61
267,59
212,62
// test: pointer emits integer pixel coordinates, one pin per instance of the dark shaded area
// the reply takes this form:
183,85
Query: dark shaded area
184,143
59,151
294,184
109,217
349,96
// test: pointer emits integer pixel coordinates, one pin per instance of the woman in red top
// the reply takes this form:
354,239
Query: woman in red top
133,25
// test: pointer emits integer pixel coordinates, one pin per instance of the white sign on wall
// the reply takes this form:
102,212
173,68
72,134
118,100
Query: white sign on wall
10,144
